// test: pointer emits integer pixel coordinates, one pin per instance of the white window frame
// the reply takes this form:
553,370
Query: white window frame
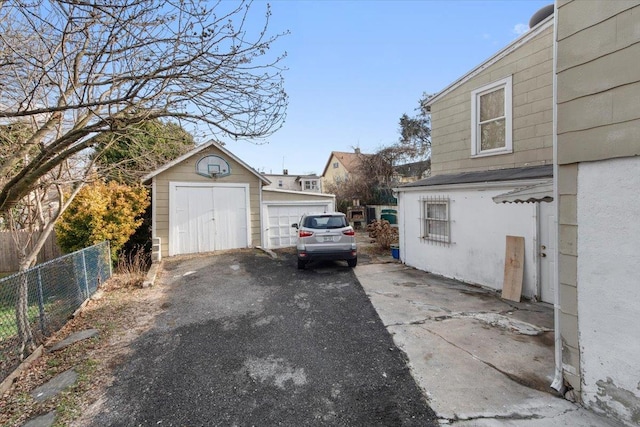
310,184
427,221
336,165
505,84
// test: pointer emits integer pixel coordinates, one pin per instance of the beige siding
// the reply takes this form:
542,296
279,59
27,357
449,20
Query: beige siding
332,173
598,87
531,66
185,172
270,196
598,116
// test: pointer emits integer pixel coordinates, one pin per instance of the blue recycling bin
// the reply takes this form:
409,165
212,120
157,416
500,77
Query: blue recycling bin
395,251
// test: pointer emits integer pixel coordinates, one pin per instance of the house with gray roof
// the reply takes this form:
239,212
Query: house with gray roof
492,146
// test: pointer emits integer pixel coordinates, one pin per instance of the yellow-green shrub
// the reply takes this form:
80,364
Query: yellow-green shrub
102,211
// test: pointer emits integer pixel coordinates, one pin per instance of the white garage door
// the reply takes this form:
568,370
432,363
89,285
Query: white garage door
279,232
209,217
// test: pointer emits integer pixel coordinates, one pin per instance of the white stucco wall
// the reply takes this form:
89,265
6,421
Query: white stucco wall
478,234
608,204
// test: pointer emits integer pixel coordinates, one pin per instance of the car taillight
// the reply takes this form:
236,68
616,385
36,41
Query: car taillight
303,233
349,233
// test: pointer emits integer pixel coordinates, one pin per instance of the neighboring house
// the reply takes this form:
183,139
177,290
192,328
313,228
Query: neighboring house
209,200
340,167
598,187
309,183
411,172
492,137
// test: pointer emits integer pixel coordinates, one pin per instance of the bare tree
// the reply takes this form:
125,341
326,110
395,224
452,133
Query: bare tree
370,181
79,68
71,70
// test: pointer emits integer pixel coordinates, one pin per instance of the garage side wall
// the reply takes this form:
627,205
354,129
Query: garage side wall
272,196
478,229
186,172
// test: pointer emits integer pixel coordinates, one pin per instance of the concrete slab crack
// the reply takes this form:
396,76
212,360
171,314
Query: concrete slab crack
490,318
512,416
509,375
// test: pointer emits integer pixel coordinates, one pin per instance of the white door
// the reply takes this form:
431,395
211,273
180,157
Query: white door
230,218
206,218
279,232
547,250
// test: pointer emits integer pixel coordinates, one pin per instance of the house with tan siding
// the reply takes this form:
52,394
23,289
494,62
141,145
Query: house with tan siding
340,167
209,200
598,192
491,140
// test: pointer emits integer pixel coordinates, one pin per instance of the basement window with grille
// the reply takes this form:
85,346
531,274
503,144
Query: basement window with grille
435,219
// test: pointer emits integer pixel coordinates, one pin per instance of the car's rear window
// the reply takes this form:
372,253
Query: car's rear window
325,221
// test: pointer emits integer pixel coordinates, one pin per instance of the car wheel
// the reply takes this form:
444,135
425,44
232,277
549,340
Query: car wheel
352,262
301,264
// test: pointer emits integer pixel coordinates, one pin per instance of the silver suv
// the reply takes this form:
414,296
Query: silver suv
325,236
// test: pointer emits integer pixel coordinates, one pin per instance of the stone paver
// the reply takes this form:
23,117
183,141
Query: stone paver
55,385
74,338
45,420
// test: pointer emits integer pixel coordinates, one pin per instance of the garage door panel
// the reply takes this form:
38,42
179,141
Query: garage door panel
230,213
194,215
280,234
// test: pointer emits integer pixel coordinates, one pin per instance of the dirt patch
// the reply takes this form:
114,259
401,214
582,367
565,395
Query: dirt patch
120,312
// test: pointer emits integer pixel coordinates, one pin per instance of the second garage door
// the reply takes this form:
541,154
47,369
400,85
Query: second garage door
280,216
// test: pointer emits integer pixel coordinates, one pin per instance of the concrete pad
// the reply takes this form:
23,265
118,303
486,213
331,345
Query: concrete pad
524,359
481,360
460,386
45,420
55,385
74,338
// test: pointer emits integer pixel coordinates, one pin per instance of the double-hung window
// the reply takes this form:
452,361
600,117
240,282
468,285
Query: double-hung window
491,119
435,217
311,185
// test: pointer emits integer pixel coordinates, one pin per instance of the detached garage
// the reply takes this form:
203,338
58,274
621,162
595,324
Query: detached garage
209,200
281,208
206,200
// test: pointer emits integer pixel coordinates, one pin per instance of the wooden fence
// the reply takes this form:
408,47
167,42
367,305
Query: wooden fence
8,253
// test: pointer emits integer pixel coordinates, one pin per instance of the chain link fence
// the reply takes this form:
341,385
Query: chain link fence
52,292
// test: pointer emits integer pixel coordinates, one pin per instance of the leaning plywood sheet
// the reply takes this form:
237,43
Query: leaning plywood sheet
513,268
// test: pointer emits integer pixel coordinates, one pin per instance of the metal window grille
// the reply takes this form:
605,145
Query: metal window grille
435,220
50,293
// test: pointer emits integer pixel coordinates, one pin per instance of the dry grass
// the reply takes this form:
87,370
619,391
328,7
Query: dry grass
121,311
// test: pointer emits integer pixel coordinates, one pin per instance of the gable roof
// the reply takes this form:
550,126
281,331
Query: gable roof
539,28
197,150
350,161
529,172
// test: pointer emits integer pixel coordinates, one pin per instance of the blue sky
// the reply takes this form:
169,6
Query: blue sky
354,67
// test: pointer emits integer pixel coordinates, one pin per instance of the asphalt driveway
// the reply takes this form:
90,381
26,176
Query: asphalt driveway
249,340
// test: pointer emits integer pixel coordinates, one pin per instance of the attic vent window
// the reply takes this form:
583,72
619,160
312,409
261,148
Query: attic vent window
491,119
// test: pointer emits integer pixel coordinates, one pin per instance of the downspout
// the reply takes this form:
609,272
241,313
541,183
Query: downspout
558,380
